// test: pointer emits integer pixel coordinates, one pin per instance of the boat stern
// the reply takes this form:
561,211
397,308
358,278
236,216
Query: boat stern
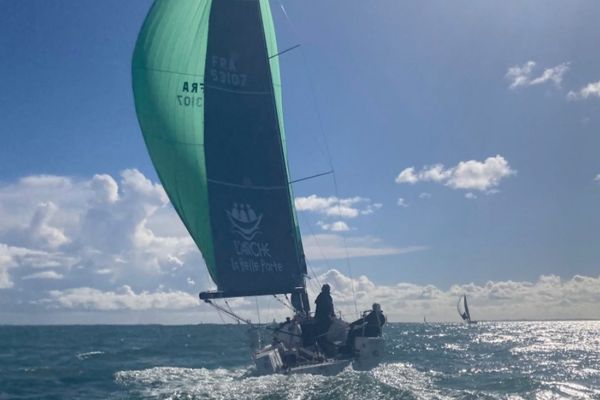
268,361
369,352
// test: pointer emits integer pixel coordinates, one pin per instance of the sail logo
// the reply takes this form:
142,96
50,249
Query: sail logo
244,221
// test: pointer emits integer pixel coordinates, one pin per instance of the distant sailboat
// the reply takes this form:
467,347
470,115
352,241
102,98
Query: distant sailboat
464,313
207,88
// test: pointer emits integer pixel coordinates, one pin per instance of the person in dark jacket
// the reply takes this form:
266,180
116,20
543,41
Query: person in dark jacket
324,311
369,326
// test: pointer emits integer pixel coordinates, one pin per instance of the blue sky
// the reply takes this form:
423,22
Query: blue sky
505,88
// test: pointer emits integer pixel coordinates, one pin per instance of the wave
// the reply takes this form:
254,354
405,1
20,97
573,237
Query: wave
89,354
386,382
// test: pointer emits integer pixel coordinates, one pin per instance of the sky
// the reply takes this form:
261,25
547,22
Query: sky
464,138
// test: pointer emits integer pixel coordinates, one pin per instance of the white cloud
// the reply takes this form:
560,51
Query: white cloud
597,178
407,176
549,297
470,196
41,232
12,257
124,298
425,195
92,230
331,246
554,75
468,175
6,262
44,275
332,206
523,75
337,226
520,75
590,90
402,203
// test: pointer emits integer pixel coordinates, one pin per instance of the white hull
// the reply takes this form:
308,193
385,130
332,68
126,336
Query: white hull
369,352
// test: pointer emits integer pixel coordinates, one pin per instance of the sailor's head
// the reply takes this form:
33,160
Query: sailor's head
376,307
326,288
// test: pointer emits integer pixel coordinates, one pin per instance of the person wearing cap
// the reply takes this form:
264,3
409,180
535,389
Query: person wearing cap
369,326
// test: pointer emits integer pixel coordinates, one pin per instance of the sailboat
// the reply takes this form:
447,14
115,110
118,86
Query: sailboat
464,312
207,91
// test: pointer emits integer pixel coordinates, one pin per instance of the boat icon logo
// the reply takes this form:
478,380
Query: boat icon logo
244,221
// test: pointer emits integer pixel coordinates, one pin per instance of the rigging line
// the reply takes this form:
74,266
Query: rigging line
285,51
220,316
327,152
260,187
314,237
313,176
348,265
238,185
283,302
229,313
310,282
228,306
257,309
218,313
268,311
310,87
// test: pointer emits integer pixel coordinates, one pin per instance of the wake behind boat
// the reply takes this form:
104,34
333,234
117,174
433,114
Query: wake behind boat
207,91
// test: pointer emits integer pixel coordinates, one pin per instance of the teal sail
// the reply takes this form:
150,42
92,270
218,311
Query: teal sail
207,92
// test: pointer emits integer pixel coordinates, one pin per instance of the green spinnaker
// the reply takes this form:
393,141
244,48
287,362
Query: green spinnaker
170,85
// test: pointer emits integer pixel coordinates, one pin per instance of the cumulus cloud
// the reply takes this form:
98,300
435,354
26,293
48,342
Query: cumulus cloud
12,257
467,175
333,206
6,262
402,203
337,226
597,178
329,246
425,195
78,231
590,90
546,298
522,75
470,196
124,298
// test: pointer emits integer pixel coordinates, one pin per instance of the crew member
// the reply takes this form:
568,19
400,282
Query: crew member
369,326
324,311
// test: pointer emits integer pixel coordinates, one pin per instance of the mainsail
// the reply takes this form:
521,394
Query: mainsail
464,313
207,91
467,313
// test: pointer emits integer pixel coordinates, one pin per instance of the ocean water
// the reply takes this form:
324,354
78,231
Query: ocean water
493,360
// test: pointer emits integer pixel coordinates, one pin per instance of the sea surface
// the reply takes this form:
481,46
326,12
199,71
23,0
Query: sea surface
492,360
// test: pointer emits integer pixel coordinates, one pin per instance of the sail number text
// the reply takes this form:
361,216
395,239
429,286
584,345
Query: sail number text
225,72
188,99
